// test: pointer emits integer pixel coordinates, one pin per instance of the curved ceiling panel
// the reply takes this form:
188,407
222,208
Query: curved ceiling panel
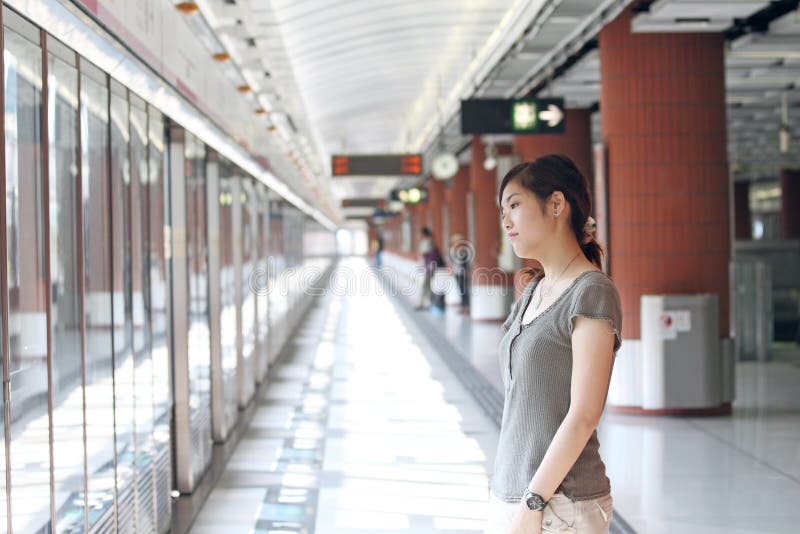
361,65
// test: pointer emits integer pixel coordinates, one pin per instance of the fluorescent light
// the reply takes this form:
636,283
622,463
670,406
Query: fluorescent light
754,45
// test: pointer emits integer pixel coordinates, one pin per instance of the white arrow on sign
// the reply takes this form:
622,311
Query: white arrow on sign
552,115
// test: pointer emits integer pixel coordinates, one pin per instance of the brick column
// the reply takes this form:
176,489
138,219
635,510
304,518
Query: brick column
790,203
575,142
491,287
418,220
487,226
663,103
662,97
741,210
455,195
434,207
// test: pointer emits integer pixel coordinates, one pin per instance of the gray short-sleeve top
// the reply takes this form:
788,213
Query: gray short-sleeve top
536,365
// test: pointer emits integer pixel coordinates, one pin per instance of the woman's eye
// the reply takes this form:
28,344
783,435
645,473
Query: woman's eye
514,205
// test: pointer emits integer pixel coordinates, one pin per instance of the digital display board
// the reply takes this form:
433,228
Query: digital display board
377,165
512,116
363,202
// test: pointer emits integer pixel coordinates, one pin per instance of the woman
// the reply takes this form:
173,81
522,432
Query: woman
556,358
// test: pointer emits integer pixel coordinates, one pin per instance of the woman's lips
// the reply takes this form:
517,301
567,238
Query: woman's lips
512,235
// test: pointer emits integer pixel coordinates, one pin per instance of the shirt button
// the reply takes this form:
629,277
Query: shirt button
548,522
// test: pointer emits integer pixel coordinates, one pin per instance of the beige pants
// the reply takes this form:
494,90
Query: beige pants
560,515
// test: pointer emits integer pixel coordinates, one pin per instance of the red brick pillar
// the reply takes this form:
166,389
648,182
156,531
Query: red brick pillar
416,225
575,142
434,207
790,203
662,99
392,234
491,287
741,210
419,220
482,186
455,195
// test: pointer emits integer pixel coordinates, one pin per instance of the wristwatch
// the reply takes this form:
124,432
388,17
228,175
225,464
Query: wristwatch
534,501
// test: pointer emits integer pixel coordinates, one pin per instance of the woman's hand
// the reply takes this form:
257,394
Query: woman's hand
526,521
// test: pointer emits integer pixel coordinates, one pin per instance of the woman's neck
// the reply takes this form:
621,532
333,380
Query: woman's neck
560,262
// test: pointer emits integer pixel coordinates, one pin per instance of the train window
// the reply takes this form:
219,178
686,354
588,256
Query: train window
27,280
65,292
157,271
122,305
95,210
140,295
199,343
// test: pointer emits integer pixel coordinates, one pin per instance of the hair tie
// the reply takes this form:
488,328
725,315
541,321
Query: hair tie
589,231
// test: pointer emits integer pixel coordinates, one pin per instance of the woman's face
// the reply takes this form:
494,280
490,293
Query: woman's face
522,220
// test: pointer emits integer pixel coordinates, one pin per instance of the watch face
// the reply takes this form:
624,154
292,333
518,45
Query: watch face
534,502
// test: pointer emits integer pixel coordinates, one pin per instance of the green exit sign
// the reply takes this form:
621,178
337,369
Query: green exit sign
512,116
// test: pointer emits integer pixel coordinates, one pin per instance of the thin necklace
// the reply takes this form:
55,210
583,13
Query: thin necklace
546,292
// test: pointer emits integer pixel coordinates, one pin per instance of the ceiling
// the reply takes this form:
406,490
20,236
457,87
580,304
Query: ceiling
367,76
762,69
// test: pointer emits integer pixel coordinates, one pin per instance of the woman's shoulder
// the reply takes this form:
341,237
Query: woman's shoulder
596,281
594,277
596,297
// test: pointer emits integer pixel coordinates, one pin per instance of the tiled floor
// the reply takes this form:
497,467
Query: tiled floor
734,474
366,430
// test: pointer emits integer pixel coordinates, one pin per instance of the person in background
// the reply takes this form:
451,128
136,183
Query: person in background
426,252
378,250
460,254
556,358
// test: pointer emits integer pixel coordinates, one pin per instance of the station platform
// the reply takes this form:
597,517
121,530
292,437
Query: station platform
369,423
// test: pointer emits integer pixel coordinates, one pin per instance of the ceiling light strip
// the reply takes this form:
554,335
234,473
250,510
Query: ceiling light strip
304,166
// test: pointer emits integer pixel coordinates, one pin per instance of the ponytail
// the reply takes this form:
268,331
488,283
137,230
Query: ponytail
593,252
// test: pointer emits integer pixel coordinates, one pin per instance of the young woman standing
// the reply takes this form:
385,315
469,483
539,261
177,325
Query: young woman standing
556,359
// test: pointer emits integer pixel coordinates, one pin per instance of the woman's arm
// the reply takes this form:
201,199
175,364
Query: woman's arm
592,355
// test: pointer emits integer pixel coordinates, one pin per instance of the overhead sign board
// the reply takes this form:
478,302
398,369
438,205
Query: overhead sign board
363,202
377,165
512,116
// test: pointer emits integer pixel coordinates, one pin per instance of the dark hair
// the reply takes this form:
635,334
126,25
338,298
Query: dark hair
545,176
426,231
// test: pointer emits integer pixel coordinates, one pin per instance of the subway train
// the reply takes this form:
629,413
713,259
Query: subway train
148,284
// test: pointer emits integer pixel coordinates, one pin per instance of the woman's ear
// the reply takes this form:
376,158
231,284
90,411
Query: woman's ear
558,202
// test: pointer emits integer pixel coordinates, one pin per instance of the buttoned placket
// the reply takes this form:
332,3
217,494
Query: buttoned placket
518,327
